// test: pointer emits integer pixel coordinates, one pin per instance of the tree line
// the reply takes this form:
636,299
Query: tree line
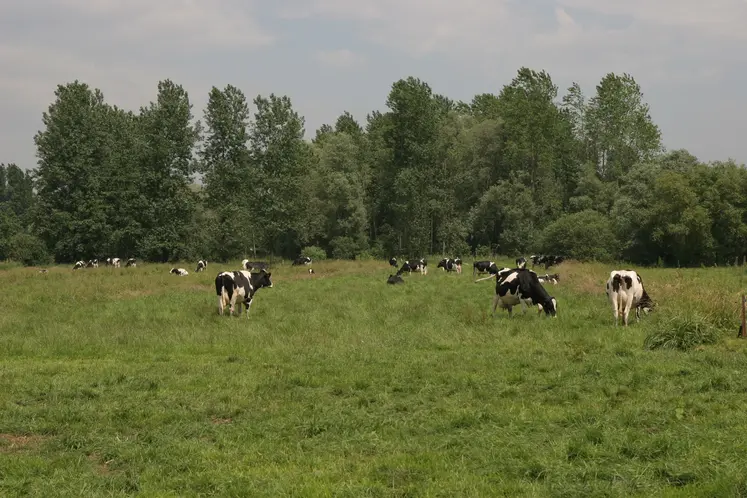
524,170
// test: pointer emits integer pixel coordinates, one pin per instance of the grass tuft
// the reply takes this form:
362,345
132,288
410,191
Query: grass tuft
682,332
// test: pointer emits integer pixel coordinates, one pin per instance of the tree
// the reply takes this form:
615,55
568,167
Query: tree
225,163
619,127
166,169
280,159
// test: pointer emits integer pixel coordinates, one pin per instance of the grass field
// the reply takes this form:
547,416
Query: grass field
126,381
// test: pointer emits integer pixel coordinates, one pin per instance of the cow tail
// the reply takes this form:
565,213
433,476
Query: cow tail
616,282
218,285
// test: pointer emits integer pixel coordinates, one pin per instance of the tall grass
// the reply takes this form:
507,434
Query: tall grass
126,381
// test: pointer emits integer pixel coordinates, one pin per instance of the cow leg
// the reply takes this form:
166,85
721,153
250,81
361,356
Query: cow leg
615,307
496,300
626,313
247,305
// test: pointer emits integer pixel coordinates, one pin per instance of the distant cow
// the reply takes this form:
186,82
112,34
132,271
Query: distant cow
521,263
201,266
421,266
79,264
43,270
483,267
92,263
254,265
395,279
179,271
302,260
233,286
393,262
522,286
548,261
311,271
131,263
625,291
115,262
553,279
449,265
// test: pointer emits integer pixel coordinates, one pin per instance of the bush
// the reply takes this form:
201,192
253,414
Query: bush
344,247
29,250
316,253
682,333
584,236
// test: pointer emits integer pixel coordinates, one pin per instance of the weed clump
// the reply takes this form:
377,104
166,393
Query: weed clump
682,333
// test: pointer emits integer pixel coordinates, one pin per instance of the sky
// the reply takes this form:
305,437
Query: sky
331,56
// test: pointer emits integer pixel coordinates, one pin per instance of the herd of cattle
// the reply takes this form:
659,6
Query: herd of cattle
521,286
514,286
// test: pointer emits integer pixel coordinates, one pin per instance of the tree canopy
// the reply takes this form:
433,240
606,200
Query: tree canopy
527,169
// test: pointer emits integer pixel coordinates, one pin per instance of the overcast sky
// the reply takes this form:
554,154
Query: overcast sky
334,55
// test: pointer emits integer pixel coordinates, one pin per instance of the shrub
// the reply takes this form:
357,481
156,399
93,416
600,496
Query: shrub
316,253
682,333
344,247
29,250
584,236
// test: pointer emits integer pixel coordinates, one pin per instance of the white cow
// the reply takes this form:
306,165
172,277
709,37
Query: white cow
179,271
625,291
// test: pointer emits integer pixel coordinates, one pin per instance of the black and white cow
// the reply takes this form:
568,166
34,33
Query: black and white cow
311,271
233,286
522,286
393,262
179,271
254,265
553,279
483,267
395,279
302,260
450,265
521,263
421,266
92,263
625,291
131,263
115,262
548,261
43,270
201,265
79,264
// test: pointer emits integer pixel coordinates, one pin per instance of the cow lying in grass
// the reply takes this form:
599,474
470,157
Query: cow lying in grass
233,286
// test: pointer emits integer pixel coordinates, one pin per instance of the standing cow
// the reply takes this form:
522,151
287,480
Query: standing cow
201,265
625,291
233,286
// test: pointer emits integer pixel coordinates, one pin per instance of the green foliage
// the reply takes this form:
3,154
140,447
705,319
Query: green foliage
314,252
682,332
28,249
426,176
584,236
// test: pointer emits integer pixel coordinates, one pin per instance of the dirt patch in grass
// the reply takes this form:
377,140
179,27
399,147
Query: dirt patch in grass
100,465
10,442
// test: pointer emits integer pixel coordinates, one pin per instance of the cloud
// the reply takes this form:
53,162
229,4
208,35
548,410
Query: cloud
341,58
176,23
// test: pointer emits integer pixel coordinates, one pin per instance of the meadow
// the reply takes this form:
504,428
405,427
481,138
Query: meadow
125,381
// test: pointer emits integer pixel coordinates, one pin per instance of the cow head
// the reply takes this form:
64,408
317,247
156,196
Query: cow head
551,307
261,279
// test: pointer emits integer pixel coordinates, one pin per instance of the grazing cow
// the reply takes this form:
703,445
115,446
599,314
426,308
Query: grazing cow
548,261
522,286
130,263
92,263
79,264
115,262
521,263
421,266
254,265
302,260
553,279
201,266
232,285
625,291
484,266
311,271
450,265
395,279
179,271
393,262
43,270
